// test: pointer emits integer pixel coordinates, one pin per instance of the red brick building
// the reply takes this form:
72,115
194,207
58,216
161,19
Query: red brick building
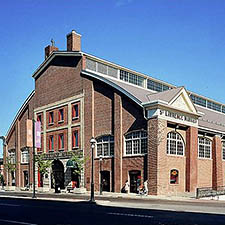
145,129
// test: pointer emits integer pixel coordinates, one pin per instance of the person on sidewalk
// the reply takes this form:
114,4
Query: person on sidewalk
127,185
146,187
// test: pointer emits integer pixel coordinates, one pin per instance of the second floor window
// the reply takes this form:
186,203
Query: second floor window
223,149
61,115
105,146
175,144
51,117
75,111
204,147
51,143
12,157
136,143
61,141
75,139
24,157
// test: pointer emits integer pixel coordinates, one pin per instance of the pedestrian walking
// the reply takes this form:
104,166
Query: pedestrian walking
146,187
127,185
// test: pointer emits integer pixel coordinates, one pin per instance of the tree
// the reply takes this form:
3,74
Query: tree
10,167
43,164
77,158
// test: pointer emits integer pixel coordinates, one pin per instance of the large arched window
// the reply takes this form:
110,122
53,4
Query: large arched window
136,143
175,144
105,145
223,149
204,147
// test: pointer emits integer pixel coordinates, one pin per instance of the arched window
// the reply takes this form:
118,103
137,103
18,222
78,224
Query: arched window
204,147
175,144
136,143
223,149
105,145
174,176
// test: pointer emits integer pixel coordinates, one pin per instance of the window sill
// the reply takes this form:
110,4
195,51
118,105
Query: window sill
61,150
24,163
51,151
50,124
75,118
75,148
61,121
136,155
174,155
201,158
104,157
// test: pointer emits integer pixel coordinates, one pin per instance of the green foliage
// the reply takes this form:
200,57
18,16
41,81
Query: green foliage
43,165
9,165
79,161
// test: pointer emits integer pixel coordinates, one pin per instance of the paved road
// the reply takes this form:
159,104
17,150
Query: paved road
31,212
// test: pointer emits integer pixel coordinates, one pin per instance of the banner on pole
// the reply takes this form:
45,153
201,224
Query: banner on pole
29,133
38,134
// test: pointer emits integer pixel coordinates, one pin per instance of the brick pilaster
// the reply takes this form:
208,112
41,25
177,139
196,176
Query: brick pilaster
191,158
156,139
118,142
217,175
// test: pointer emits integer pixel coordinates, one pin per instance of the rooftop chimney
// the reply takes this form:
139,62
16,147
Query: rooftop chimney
73,41
50,48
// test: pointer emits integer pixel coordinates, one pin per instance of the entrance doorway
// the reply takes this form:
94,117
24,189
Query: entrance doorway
135,176
58,173
105,180
25,178
75,178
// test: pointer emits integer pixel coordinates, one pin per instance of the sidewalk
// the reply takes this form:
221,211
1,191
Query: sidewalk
86,196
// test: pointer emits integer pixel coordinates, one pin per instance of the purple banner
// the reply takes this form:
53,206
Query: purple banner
38,134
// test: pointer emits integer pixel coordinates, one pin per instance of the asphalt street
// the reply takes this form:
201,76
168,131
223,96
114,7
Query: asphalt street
37,211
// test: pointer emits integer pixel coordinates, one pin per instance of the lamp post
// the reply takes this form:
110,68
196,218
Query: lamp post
100,170
92,141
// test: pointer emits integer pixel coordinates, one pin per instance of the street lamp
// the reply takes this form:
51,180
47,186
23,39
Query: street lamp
92,141
100,170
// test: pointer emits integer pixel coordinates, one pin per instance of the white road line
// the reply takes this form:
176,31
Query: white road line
5,204
134,215
17,222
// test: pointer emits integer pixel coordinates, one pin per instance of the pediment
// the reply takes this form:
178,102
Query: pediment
183,102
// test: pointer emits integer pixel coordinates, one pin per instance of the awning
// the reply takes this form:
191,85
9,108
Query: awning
71,164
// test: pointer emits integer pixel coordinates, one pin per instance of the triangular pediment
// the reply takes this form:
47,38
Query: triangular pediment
183,102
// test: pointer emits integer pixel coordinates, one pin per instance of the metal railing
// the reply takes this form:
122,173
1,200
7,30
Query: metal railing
210,191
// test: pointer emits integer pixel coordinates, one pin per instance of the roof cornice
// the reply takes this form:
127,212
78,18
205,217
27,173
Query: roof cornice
51,57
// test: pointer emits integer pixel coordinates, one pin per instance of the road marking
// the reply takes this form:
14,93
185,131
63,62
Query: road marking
134,215
17,222
5,204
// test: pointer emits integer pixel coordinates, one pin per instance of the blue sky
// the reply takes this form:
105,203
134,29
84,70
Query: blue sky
178,41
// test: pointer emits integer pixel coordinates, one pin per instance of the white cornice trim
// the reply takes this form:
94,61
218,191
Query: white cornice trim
113,85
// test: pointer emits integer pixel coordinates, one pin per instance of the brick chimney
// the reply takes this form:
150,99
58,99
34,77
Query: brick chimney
73,41
49,49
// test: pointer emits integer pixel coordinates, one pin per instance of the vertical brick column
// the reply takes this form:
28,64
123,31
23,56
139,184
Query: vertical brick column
18,154
117,142
191,158
156,133
217,175
88,128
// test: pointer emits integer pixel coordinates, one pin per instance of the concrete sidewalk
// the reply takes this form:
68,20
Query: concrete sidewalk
104,196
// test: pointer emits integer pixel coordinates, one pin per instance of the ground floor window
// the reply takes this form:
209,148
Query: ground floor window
174,175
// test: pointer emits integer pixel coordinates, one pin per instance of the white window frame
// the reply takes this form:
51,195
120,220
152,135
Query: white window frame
12,157
25,156
109,142
177,140
205,144
133,139
223,150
